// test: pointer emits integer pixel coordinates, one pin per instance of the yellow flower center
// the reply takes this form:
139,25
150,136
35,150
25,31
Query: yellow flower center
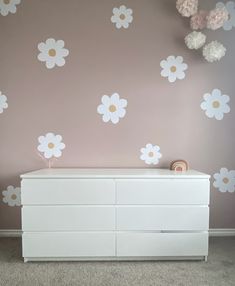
52,52
13,197
122,16
112,108
51,145
151,154
225,180
216,104
6,1
173,69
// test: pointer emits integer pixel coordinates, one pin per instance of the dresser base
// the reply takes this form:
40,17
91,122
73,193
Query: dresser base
113,258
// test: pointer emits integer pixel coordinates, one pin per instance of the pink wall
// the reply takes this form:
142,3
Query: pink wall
103,60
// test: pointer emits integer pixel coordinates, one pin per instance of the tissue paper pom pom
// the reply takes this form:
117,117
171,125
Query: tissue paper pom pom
199,20
214,51
195,40
187,8
216,18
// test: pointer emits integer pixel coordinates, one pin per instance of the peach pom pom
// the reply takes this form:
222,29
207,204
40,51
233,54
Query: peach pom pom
199,20
216,18
187,8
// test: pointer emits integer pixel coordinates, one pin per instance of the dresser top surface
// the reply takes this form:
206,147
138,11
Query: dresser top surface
73,173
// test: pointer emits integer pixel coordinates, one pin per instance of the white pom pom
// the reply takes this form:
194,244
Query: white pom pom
195,40
214,51
187,8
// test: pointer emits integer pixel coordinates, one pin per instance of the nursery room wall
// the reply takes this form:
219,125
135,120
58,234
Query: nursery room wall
63,62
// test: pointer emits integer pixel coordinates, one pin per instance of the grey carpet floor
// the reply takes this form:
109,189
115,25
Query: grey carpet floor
219,270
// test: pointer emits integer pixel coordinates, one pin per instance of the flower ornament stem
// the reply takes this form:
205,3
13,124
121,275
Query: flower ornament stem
49,162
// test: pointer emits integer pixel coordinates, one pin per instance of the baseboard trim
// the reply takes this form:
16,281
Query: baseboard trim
215,232
222,232
10,232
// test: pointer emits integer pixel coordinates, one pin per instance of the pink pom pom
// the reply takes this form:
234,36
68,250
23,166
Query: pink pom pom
187,8
216,18
199,20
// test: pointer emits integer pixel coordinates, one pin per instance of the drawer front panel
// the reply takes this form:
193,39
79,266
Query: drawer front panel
68,244
68,218
162,218
162,244
67,191
163,191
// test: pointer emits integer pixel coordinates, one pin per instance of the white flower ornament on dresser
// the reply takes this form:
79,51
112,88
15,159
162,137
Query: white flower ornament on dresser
8,6
11,196
122,17
173,68
225,180
51,145
3,102
53,53
215,104
150,154
112,108
230,6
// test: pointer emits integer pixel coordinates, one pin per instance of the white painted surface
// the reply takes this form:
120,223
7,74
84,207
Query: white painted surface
78,213
162,218
163,191
68,218
162,244
93,173
68,244
67,191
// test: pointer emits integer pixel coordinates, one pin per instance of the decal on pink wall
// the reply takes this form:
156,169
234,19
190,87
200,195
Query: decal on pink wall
52,52
8,6
225,180
150,154
11,196
3,102
230,7
122,17
173,68
215,104
112,108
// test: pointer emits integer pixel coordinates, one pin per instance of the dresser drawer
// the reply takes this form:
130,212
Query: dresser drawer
67,191
68,218
163,191
68,244
163,218
162,244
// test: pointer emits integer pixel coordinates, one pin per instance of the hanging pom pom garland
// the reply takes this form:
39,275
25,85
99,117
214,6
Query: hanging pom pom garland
199,20
187,8
214,51
195,40
216,18
213,20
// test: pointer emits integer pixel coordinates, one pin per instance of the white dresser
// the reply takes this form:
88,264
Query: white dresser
114,214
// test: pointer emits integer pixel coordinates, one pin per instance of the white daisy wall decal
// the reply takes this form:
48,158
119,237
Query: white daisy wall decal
225,180
150,154
11,196
3,102
50,145
215,104
52,52
8,6
122,17
230,6
112,108
173,68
